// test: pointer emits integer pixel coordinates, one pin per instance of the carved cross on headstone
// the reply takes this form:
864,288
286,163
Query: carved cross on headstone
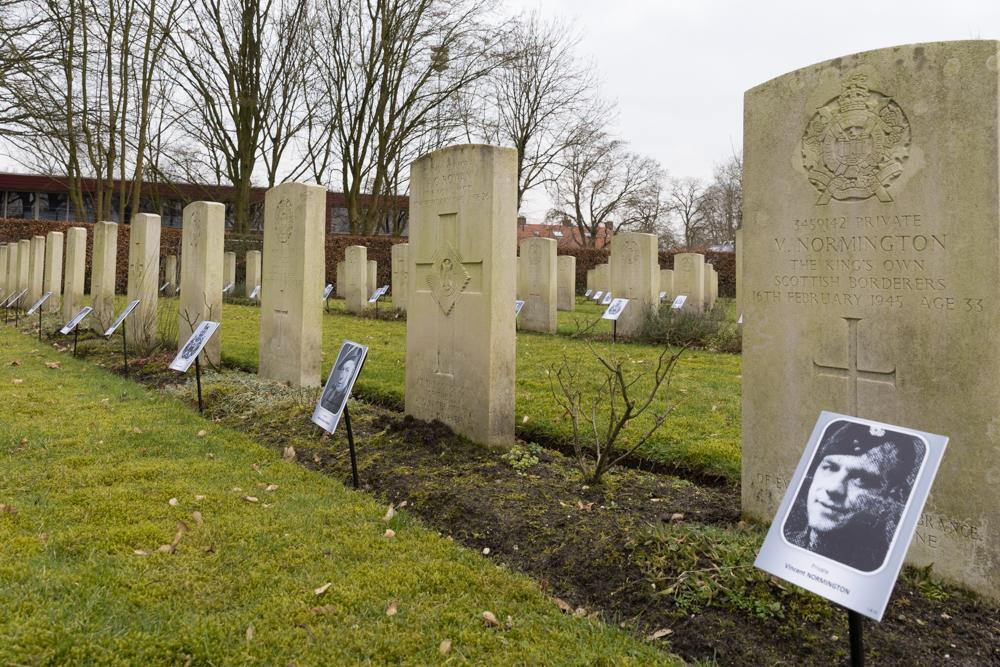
442,270
852,373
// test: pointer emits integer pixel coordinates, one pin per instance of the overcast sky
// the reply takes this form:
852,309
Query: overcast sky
678,69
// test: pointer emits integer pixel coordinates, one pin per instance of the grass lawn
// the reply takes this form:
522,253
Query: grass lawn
702,435
96,473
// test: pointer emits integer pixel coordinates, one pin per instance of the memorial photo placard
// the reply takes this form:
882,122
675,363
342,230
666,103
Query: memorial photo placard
195,344
598,295
663,295
378,294
14,299
228,288
164,286
607,299
615,309
518,305
338,387
586,295
38,304
75,322
679,302
851,509
121,318
327,291
255,294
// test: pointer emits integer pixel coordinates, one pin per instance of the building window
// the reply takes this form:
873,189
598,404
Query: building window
53,206
21,205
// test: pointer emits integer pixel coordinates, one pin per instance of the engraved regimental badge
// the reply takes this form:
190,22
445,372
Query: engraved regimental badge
448,278
856,144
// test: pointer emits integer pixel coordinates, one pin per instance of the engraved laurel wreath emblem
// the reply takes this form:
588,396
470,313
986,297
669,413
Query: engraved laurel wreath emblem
856,144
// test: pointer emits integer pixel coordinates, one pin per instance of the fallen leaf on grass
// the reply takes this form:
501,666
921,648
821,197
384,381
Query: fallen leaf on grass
172,502
562,604
15,362
389,513
324,588
196,515
17,381
249,634
675,517
491,619
199,497
140,552
580,612
390,533
393,608
256,469
52,364
202,433
167,549
586,507
660,634
444,647
316,459
271,487
402,504
251,499
136,429
289,453
7,509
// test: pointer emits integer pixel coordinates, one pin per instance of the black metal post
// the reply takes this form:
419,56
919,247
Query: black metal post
39,323
350,445
376,309
197,376
17,314
614,331
76,336
854,620
326,304
124,348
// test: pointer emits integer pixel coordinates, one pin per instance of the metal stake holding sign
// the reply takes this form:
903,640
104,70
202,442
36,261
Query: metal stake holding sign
117,323
74,325
376,296
678,302
327,291
613,312
333,401
12,303
848,547
38,306
191,351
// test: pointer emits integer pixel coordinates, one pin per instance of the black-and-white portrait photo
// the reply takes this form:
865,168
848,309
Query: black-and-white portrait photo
194,345
338,386
615,309
853,494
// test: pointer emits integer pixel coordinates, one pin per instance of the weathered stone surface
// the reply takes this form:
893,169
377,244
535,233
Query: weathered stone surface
517,277
103,263
252,271
291,333
689,279
76,272
3,271
602,277
52,274
739,271
635,275
228,269
566,267
400,274
23,268
170,275
11,281
709,299
36,270
340,287
355,278
143,274
871,233
590,279
714,286
460,337
538,284
371,281
202,248
667,281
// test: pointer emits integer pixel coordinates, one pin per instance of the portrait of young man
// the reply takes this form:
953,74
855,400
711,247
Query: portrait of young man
853,494
338,385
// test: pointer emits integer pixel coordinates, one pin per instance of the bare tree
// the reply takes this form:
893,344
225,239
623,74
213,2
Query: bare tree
539,97
687,204
602,184
388,68
724,201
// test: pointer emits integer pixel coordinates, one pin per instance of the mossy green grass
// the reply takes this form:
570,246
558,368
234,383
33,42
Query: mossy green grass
96,473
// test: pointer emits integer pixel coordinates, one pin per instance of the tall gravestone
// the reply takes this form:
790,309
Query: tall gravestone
341,285
143,274
11,282
228,269
400,275
590,280
709,301
252,272
714,286
36,269
372,276
689,280
75,273
291,333
103,267
202,247
170,275
460,337
52,274
537,277
566,267
870,224
635,275
667,281
355,278
3,271
23,266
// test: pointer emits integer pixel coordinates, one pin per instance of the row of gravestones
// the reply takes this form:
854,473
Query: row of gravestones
692,277
357,277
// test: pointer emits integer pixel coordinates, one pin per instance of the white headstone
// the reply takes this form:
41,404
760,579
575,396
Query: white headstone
143,278
252,271
689,279
538,284
400,274
103,274
635,275
202,248
567,282
76,272
52,275
356,278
